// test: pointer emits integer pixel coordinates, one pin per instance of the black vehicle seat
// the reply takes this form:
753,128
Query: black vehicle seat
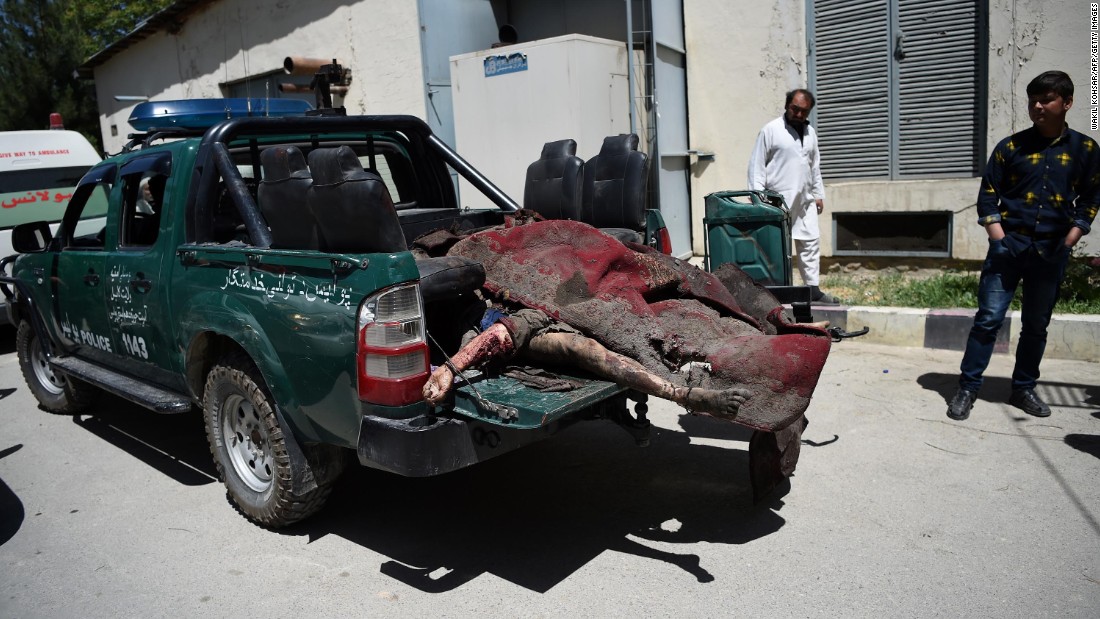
226,224
354,211
446,278
553,184
282,198
614,191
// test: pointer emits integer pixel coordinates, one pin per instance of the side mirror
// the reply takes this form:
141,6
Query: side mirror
31,237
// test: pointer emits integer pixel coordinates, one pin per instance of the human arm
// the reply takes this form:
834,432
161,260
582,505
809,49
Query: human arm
495,341
503,338
1088,195
989,211
1073,236
817,185
758,161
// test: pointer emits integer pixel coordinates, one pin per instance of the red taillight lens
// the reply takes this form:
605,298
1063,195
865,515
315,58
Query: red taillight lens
664,241
392,355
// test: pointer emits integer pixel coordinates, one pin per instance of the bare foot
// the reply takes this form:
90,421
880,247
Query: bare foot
713,401
439,383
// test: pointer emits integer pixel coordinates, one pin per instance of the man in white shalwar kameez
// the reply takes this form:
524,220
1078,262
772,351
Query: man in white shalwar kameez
786,160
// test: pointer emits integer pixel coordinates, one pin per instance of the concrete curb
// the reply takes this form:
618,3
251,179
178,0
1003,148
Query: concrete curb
1069,336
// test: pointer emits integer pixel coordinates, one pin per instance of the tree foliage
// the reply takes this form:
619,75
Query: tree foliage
42,42
104,23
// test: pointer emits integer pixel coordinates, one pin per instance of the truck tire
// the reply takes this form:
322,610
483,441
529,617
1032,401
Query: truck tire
55,392
250,452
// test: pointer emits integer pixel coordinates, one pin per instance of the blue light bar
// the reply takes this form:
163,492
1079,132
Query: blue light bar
205,113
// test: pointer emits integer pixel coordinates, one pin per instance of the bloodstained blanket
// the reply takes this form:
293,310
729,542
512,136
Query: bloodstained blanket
658,310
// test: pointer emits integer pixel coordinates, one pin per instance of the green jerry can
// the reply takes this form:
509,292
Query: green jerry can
751,229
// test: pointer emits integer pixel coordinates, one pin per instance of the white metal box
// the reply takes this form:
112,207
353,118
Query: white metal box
509,101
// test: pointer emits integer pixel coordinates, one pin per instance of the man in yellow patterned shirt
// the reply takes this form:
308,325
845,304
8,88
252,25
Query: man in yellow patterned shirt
1038,197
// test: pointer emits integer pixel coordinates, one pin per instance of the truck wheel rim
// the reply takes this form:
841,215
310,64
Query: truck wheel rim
43,373
247,442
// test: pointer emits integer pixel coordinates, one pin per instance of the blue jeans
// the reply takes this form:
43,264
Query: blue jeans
1001,273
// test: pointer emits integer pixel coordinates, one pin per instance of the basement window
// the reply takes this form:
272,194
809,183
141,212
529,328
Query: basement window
927,233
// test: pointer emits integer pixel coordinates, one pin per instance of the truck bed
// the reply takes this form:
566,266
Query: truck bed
536,408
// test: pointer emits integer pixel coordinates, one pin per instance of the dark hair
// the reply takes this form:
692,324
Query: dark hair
810,96
1056,81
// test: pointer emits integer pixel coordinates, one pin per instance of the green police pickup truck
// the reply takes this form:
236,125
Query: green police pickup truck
280,298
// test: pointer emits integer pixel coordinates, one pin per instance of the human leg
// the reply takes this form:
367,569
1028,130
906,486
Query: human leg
589,355
1000,276
959,406
1042,279
809,260
809,268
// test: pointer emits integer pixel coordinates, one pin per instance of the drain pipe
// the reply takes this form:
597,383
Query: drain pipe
630,61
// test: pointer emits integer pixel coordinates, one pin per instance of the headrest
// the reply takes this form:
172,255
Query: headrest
558,149
332,166
157,184
619,144
283,162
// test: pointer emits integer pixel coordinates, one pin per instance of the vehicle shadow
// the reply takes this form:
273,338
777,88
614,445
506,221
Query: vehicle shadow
7,339
532,517
172,444
11,508
998,388
537,516
1092,396
1088,443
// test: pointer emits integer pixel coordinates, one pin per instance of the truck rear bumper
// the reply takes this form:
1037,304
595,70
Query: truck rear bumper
428,445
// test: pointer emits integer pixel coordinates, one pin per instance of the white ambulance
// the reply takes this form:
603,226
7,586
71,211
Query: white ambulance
38,170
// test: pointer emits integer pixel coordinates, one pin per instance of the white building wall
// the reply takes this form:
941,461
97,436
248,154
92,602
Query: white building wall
744,55
1032,36
378,40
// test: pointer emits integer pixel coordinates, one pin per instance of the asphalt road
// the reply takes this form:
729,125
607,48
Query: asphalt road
895,511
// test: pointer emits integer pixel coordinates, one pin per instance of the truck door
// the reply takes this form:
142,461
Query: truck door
136,303
80,281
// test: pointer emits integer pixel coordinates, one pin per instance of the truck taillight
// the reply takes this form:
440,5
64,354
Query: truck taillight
664,241
392,355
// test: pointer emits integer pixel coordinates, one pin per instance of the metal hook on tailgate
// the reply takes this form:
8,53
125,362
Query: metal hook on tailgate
500,410
840,334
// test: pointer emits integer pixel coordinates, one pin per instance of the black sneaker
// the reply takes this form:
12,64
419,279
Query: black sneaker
1027,401
825,299
959,408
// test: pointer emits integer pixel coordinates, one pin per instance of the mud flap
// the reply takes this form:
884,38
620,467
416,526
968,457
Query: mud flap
773,457
303,478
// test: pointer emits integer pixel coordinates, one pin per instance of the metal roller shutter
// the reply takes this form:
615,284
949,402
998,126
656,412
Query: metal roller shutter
853,88
938,90
897,85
